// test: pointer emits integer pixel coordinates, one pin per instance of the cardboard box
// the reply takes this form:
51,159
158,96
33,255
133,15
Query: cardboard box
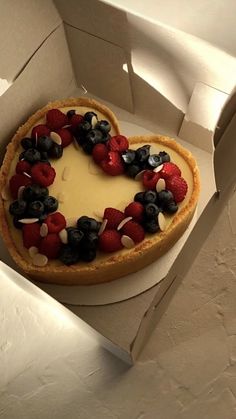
142,74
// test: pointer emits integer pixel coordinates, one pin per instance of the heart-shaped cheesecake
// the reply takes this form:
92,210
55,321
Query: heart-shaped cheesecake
82,204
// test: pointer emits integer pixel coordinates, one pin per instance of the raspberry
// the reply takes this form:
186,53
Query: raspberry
23,166
40,131
118,143
178,186
99,153
169,169
43,174
134,230
55,222
66,136
150,179
110,241
50,246
75,121
113,164
114,217
31,235
56,119
16,182
135,210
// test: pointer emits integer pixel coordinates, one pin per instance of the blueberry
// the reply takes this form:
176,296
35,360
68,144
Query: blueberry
87,224
105,138
82,131
88,147
164,197
69,255
154,160
34,193
70,113
132,170
103,126
94,136
151,210
74,236
32,155
35,209
16,222
17,207
128,156
88,255
150,197
171,207
56,151
50,204
90,240
44,157
27,143
164,156
139,197
42,217
88,116
151,226
44,143
143,153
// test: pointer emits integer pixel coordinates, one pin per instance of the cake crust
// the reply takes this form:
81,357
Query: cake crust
119,264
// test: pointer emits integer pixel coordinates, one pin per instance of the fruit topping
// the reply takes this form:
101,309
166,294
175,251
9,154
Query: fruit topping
99,153
40,131
88,255
110,241
31,235
89,116
178,186
150,197
50,246
66,137
170,169
50,204
56,151
74,236
135,210
151,210
16,182
164,156
133,169
75,121
35,209
31,155
128,156
164,197
18,207
154,160
151,225
134,230
150,179
161,185
27,143
43,174
56,119
34,193
23,166
139,197
118,143
44,143
70,113
142,153
113,164
55,222
171,207
103,126
113,217
87,224
69,255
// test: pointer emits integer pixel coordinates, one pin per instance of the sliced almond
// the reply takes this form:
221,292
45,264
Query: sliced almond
139,175
63,236
161,184
61,197
26,174
127,242
28,220
39,259
55,138
76,145
162,221
67,126
158,168
43,230
5,193
94,120
33,251
103,226
20,192
66,173
123,222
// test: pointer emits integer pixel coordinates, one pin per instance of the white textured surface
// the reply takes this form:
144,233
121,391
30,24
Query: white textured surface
51,369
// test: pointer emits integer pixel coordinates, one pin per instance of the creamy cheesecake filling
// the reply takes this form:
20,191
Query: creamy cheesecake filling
87,190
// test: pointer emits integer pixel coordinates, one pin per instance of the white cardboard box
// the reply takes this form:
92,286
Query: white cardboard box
132,65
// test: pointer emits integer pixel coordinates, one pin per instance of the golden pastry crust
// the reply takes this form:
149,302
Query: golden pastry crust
120,263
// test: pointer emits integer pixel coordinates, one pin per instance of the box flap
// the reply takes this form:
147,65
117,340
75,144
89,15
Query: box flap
225,117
